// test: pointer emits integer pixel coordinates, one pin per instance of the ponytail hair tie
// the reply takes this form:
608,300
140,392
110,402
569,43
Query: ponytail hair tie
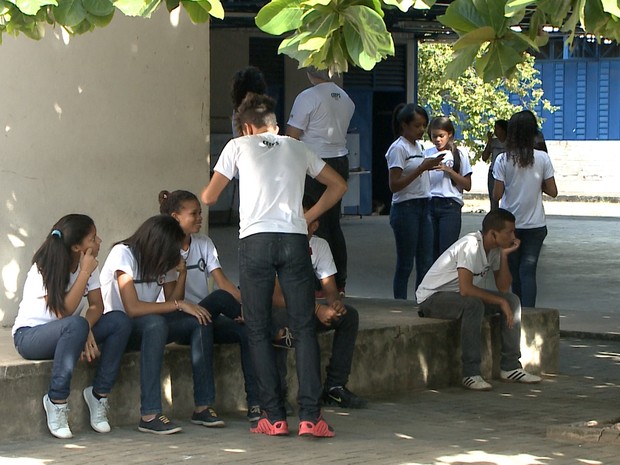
57,233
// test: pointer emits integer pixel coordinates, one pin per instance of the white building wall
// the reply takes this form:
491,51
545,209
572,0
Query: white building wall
98,124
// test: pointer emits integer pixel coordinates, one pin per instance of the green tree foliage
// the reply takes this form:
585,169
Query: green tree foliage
475,105
494,35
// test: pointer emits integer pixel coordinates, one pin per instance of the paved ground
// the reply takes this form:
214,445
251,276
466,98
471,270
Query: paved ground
450,426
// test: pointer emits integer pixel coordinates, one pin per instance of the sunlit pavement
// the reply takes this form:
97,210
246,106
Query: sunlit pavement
450,426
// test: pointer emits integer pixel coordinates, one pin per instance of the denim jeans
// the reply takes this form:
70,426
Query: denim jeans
413,234
221,302
150,335
471,310
446,220
262,257
523,263
63,341
345,334
227,331
329,223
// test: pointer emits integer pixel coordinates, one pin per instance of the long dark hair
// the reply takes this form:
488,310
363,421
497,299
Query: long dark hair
405,113
445,124
172,202
249,79
54,257
155,246
522,131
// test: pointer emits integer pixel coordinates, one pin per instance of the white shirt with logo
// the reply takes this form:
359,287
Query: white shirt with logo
408,157
468,252
201,259
441,183
272,172
122,259
33,309
322,258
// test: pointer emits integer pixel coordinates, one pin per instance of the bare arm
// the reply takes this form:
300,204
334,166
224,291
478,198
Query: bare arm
212,191
136,307
73,298
94,312
336,187
468,289
503,278
222,282
498,190
549,187
398,181
293,132
464,182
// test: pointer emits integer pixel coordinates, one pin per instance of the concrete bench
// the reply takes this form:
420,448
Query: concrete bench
396,351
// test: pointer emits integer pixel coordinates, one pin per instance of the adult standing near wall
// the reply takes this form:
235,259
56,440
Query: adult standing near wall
522,174
320,118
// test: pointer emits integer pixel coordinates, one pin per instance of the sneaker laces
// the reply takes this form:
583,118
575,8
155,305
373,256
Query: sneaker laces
61,415
101,412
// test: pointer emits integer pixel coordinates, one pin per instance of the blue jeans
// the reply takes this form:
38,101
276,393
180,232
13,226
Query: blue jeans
523,263
472,310
491,185
150,335
446,220
220,302
261,258
329,223
413,234
63,341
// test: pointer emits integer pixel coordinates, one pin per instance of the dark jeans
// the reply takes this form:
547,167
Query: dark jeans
523,263
491,184
329,223
261,258
446,220
150,335
413,234
224,308
471,310
63,341
343,346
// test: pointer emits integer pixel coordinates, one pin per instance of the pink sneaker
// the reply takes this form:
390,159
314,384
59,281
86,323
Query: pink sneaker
264,426
318,429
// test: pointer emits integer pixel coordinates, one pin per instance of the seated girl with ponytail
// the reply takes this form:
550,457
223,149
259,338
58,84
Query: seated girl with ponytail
49,326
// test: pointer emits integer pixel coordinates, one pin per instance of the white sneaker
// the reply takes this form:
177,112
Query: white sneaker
519,376
57,418
98,411
476,383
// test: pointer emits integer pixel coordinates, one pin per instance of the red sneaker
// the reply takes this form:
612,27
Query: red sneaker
264,426
318,429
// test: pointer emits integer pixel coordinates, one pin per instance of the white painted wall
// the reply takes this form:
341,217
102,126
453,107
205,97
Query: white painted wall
98,125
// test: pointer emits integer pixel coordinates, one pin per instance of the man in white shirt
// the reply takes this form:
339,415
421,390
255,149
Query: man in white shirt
451,290
320,118
273,241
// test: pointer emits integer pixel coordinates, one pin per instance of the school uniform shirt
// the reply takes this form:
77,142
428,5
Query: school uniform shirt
441,183
323,112
322,258
523,188
33,309
272,172
201,259
468,252
408,157
122,259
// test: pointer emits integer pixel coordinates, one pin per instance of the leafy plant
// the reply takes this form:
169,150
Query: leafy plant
475,105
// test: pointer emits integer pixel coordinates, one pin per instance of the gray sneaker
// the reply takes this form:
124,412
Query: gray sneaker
57,418
98,409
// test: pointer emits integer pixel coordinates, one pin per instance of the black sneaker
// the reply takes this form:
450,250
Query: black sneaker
342,397
208,418
254,413
159,425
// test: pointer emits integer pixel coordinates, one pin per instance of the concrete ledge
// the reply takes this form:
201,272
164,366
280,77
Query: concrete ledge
395,351
606,432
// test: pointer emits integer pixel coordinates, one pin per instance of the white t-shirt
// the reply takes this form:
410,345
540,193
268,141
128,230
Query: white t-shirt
122,259
407,156
441,183
322,258
468,252
323,112
523,188
272,171
201,259
33,309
